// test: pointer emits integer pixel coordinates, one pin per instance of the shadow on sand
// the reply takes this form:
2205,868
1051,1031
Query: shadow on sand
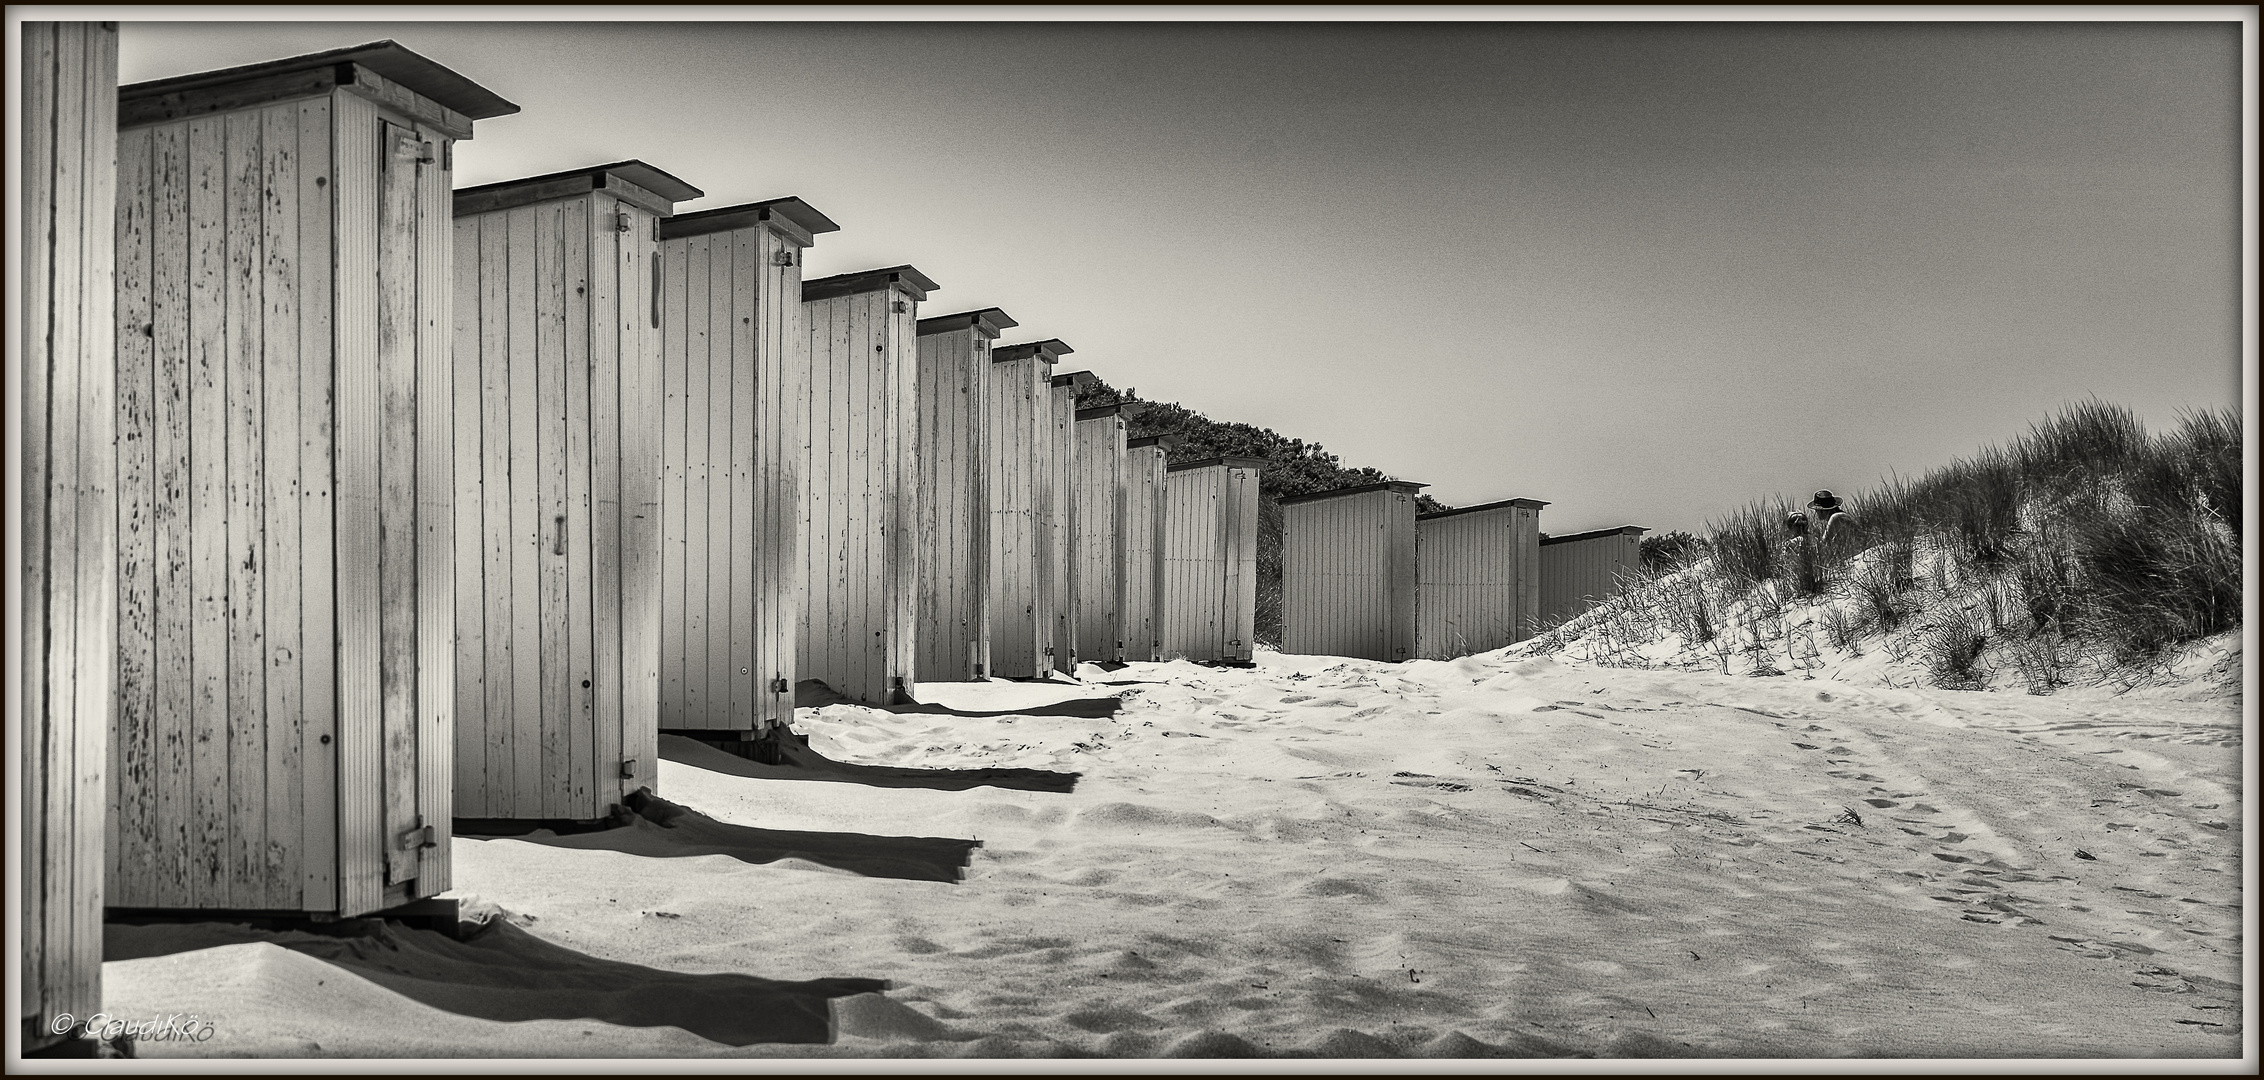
815,694
660,829
798,762
498,971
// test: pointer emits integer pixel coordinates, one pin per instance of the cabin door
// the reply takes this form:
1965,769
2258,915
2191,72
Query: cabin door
402,153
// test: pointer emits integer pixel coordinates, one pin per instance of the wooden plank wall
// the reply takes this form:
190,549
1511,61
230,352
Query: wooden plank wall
1239,557
286,692
1578,574
1098,547
952,531
857,632
1018,414
539,307
224,795
730,424
1144,539
1057,555
1348,576
71,512
1474,576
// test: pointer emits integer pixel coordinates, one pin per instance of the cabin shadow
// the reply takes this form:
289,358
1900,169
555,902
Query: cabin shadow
497,971
796,761
658,829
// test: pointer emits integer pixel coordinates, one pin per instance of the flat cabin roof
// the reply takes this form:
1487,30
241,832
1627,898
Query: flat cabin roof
1049,350
443,86
989,320
865,281
1102,412
1406,486
1527,504
1076,378
790,211
1165,441
664,190
1594,534
1229,462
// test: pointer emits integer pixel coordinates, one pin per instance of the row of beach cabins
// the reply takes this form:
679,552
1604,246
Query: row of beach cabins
357,504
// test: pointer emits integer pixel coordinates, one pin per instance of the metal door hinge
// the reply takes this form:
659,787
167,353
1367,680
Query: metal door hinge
629,769
778,685
785,257
901,307
420,836
425,156
621,221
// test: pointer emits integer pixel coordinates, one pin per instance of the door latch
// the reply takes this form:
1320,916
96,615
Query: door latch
419,837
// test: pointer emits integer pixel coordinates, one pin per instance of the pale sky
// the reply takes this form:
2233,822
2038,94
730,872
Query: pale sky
1642,271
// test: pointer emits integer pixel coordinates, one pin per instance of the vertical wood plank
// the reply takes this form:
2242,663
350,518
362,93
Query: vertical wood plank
47,957
130,836
208,480
640,493
356,175
244,510
700,606
469,782
498,726
744,440
551,780
585,795
676,607
285,707
527,525
397,540
436,510
319,736
175,829
722,509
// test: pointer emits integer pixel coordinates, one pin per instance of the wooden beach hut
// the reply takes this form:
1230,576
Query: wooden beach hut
1210,581
1143,531
557,461
1057,558
857,632
1478,571
1581,570
734,376
70,516
954,525
1348,578
287,585
1018,421
1099,539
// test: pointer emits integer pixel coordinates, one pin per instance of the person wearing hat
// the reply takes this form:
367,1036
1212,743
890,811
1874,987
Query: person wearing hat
1825,509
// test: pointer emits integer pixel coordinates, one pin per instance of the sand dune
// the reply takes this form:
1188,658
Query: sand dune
1483,857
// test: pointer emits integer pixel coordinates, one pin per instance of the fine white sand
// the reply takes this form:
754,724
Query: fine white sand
1489,856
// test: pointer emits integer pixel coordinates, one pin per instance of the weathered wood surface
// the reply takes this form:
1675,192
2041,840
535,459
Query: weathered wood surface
856,631
1144,539
952,530
729,386
286,660
1099,542
72,510
1018,412
1057,554
1475,571
1210,561
1579,573
1348,575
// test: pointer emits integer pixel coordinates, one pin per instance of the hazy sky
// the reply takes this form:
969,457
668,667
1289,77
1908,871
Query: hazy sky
1642,271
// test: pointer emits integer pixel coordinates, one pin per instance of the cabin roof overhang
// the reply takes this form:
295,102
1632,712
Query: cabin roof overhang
987,322
1051,350
864,281
633,181
1076,379
1100,412
1505,504
797,220
1164,441
1402,486
1227,462
386,65
1596,534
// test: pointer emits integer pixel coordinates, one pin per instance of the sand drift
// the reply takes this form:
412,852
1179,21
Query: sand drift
1320,857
